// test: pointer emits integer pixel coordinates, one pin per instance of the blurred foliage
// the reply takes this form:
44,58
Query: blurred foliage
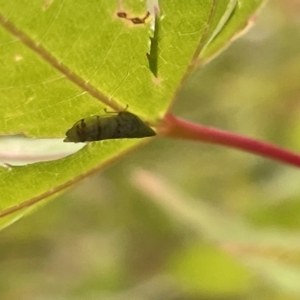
106,240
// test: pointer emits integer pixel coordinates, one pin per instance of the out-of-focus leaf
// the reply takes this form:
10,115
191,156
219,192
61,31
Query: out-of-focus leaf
255,247
239,19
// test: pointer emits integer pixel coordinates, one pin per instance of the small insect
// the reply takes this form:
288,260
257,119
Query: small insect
135,20
97,128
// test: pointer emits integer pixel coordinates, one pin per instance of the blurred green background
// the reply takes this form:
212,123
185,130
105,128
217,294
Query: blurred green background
182,220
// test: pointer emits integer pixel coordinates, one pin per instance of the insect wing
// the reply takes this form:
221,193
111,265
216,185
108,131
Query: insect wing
90,129
131,126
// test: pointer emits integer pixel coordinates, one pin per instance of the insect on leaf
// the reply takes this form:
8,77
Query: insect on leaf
97,128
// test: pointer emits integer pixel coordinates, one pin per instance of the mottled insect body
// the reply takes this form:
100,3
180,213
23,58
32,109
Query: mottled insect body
96,128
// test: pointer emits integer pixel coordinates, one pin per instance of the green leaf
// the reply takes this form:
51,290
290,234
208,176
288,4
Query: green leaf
239,16
38,181
65,60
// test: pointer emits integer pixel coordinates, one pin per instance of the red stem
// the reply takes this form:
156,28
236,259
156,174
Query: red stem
178,128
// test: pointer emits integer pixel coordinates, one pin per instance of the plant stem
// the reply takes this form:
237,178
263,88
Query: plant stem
179,128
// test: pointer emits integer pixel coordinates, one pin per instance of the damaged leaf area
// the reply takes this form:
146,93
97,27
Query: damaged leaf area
63,61
154,42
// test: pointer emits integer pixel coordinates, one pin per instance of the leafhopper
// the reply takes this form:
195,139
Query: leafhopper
117,126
